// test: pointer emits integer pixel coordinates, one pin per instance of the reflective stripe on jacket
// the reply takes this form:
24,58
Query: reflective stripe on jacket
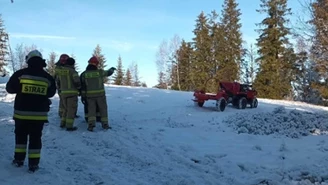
69,80
33,88
93,82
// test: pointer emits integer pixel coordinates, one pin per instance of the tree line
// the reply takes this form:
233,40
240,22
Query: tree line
277,68
14,59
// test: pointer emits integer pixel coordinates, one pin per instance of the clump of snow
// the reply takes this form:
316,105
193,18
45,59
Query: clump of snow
282,122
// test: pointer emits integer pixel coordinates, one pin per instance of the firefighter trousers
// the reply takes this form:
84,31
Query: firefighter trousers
70,103
28,136
86,113
61,107
97,102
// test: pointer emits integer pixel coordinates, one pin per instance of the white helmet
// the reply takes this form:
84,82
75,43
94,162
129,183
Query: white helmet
33,53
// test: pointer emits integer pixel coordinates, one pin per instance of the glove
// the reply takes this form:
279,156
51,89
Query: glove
83,99
112,69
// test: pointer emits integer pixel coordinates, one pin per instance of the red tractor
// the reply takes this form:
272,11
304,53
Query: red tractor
239,95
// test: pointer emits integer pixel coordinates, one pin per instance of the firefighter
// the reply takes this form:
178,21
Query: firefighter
98,118
70,84
93,92
33,87
59,64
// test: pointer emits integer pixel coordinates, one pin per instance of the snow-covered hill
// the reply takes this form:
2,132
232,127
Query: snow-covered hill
160,137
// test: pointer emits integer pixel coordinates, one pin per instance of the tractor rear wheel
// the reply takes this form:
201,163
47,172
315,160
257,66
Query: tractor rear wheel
254,103
221,105
242,103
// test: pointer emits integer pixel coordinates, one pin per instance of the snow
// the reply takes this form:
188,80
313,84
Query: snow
161,137
280,121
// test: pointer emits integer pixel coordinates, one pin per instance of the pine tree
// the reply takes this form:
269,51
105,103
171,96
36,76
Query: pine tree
219,69
20,55
233,38
128,78
4,50
161,81
201,65
143,84
136,78
184,64
276,64
119,76
174,82
248,64
97,52
51,63
76,65
319,50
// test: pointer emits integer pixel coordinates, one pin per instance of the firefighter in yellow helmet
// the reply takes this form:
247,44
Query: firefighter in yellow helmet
33,87
93,92
70,85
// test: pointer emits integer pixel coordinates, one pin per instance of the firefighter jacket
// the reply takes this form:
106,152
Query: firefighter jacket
58,67
92,80
68,80
33,88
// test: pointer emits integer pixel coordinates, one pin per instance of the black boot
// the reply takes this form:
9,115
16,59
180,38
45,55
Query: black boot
90,128
18,163
71,129
62,124
106,126
33,168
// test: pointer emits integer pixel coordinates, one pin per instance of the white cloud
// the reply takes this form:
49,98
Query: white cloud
118,45
36,36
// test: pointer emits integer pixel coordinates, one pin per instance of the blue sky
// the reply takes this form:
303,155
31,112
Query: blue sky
130,28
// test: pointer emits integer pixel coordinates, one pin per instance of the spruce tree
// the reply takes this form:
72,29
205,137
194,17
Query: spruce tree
184,64
233,40
274,77
201,64
4,50
248,64
161,81
119,76
319,50
143,84
219,70
136,78
51,63
173,77
128,78
305,76
76,65
97,52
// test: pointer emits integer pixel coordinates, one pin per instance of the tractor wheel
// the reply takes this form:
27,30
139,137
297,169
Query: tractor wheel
200,104
254,103
221,104
242,103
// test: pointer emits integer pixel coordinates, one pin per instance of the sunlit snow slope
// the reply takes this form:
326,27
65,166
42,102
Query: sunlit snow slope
161,137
